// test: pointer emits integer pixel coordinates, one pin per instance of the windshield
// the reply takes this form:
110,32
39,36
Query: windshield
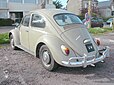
67,19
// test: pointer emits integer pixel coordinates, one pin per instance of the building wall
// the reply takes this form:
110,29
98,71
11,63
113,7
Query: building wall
106,8
3,9
85,3
105,12
3,4
3,13
24,6
74,6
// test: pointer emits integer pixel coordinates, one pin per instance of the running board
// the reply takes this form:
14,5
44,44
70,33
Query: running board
26,50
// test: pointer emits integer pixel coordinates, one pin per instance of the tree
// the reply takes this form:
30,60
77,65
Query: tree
57,4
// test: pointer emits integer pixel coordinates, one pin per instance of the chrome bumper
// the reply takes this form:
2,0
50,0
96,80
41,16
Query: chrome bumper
84,60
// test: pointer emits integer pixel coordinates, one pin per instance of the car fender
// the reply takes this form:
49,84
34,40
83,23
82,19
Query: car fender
15,33
54,44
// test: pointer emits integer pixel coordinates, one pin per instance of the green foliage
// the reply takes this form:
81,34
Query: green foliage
0,46
6,22
4,38
94,15
105,19
57,4
99,30
81,17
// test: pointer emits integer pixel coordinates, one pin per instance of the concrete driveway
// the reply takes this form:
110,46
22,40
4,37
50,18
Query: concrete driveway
5,29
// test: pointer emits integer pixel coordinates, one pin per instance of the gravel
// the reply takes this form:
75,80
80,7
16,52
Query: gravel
20,68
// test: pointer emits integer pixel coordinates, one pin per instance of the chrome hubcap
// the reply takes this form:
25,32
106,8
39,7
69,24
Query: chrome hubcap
46,58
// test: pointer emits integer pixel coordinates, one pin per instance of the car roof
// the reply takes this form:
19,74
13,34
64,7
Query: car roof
50,12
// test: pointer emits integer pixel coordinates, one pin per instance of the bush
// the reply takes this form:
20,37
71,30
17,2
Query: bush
105,19
81,17
4,38
99,30
6,22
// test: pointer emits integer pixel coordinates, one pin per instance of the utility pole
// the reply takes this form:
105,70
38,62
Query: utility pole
89,12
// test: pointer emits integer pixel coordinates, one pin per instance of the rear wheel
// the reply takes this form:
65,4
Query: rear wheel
47,59
101,26
12,43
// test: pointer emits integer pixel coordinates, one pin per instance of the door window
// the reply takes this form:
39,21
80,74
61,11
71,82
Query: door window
26,20
37,21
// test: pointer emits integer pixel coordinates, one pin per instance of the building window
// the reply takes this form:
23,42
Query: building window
26,20
47,1
30,1
112,7
16,1
3,3
36,21
112,13
16,16
86,5
3,15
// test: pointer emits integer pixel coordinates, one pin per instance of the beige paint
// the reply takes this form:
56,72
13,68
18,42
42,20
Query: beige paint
24,36
54,36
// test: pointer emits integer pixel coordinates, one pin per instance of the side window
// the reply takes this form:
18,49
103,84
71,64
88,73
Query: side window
26,20
37,21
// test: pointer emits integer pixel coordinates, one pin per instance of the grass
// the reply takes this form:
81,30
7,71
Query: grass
0,46
4,39
97,31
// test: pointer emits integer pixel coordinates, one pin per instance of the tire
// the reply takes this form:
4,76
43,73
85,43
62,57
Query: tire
47,59
12,43
101,26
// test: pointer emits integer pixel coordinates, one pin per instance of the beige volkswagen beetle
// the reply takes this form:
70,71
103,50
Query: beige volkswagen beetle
57,37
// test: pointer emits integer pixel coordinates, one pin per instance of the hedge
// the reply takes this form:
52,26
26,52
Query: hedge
6,22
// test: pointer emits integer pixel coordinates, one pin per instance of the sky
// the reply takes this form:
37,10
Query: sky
63,2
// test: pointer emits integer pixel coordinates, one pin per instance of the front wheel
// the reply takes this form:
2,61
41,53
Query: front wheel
12,43
47,59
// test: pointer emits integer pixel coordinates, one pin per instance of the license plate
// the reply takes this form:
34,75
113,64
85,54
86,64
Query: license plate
90,47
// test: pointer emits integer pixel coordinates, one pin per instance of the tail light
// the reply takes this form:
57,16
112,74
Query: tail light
65,50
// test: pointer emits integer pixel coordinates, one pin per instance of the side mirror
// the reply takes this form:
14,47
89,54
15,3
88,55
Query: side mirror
38,23
16,24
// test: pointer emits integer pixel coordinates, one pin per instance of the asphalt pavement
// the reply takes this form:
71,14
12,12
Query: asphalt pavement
5,29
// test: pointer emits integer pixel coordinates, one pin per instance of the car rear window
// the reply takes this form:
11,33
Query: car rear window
66,19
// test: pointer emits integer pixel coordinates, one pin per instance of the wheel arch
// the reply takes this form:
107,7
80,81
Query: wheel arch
10,34
38,47
15,34
54,45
